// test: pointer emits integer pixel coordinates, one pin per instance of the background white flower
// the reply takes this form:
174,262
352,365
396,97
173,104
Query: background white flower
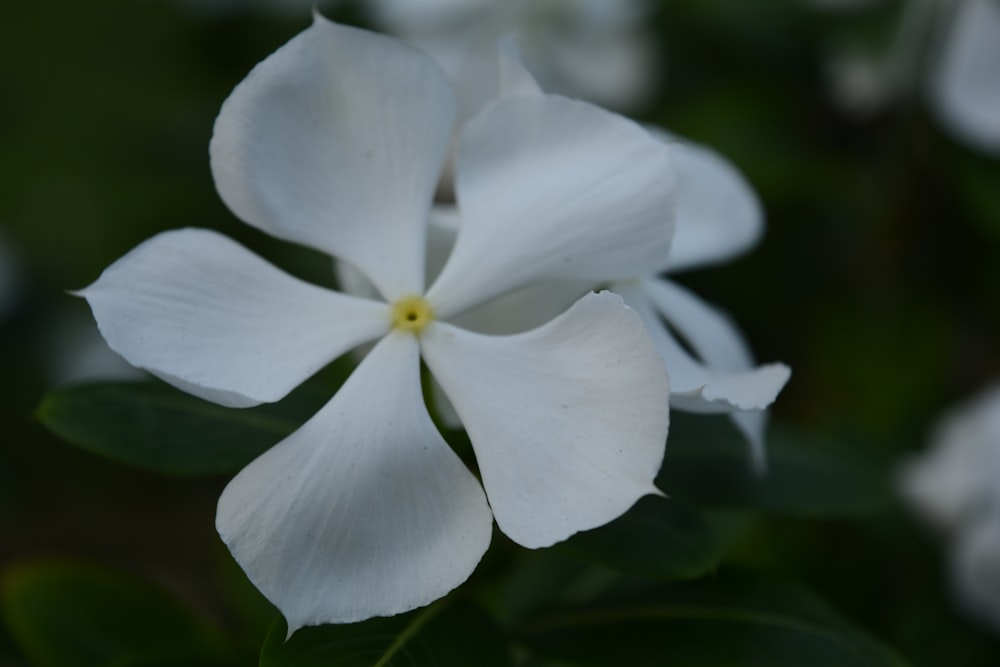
953,486
964,83
336,141
946,49
597,50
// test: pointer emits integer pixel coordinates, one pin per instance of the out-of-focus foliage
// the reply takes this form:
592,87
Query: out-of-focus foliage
72,615
876,282
436,636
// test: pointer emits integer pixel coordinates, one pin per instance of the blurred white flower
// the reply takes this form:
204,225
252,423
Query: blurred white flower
948,50
597,50
336,141
965,80
953,487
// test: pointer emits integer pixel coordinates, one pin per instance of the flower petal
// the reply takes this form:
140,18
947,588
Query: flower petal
442,228
551,188
964,86
605,54
208,316
718,214
336,141
514,77
365,510
725,380
975,566
568,421
955,478
710,333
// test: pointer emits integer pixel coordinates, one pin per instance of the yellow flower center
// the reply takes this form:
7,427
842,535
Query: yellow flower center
411,314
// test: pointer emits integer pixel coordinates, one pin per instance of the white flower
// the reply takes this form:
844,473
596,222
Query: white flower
948,48
965,82
718,217
336,142
953,486
598,50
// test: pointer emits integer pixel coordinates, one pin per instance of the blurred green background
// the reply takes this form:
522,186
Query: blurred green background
877,280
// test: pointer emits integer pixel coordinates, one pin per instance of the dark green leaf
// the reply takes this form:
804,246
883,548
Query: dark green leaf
436,636
72,615
721,623
154,426
658,537
706,463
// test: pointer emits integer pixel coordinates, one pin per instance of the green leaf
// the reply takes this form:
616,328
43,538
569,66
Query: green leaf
658,537
727,622
153,426
707,464
436,636
65,614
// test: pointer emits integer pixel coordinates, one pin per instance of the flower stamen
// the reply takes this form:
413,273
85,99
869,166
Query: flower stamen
411,314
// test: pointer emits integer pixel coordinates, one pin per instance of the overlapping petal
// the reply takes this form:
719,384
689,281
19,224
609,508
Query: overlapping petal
336,141
965,88
514,312
567,420
723,379
710,333
513,77
365,510
726,371
205,314
551,188
718,214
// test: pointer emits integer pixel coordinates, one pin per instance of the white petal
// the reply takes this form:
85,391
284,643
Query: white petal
753,424
404,16
717,342
610,60
956,476
550,188
514,77
975,566
208,316
365,510
441,231
724,380
718,214
965,86
725,373
514,312
337,141
568,421
523,309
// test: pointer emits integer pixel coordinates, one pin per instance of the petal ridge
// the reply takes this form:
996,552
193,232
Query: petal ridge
554,189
